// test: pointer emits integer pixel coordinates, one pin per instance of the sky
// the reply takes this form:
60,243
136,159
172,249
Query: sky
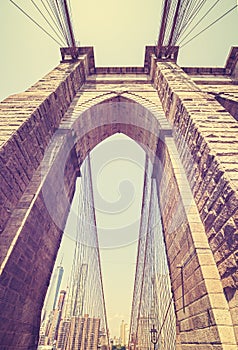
117,168
119,31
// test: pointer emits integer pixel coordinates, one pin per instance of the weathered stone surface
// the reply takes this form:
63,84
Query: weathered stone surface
206,135
195,172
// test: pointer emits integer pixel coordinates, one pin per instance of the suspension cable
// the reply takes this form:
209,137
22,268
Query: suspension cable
210,25
57,15
47,21
51,15
35,22
198,22
177,19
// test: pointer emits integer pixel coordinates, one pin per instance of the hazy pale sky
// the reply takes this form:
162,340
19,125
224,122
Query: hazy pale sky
119,31
118,169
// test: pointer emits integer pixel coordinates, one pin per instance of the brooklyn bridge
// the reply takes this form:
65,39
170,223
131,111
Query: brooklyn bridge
185,293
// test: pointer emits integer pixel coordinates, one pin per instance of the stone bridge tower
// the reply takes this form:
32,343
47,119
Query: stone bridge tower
187,118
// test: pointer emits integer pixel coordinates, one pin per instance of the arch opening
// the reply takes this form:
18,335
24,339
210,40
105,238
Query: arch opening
184,236
119,239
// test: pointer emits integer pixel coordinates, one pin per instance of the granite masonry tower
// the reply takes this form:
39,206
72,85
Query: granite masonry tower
186,119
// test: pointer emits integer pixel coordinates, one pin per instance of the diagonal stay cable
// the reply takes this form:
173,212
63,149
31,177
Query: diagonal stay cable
165,317
201,19
35,22
52,16
66,24
52,9
47,21
56,11
61,14
190,16
210,25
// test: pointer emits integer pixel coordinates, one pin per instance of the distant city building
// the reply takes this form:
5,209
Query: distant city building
53,292
143,342
79,333
57,314
103,340
63,334
60,272
49,328
123,333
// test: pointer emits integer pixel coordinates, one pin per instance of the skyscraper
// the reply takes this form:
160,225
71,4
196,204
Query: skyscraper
60,272
57,314
123,333
50,327
53,292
